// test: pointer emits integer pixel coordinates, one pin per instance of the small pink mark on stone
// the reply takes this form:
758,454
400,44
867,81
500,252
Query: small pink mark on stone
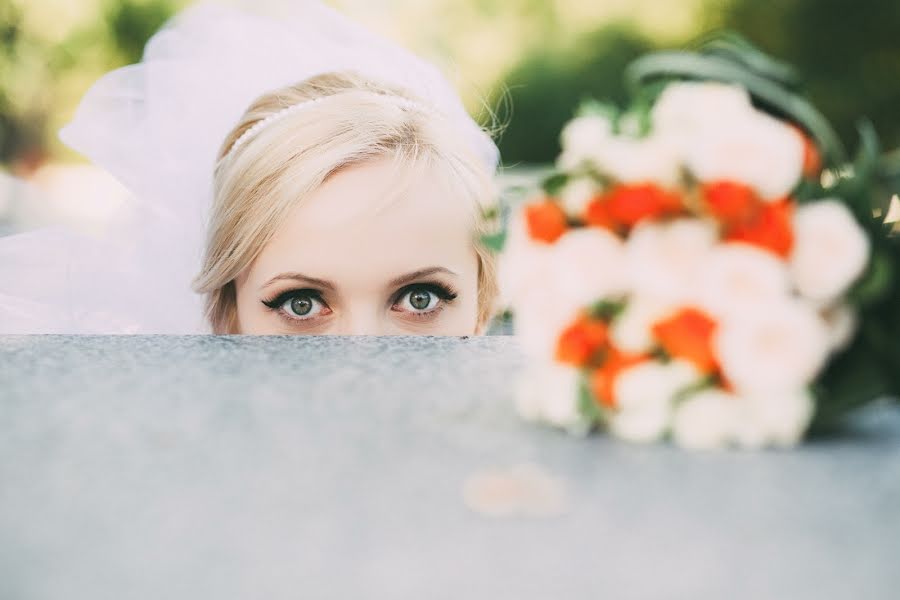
524,490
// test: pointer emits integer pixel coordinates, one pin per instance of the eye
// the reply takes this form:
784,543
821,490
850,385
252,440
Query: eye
419,301
422,299
302,306
299,304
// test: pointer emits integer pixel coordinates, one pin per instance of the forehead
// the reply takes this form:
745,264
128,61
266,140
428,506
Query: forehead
372,222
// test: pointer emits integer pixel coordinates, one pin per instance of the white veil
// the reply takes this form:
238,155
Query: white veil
157,126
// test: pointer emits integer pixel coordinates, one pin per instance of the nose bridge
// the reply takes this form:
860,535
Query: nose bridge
361,318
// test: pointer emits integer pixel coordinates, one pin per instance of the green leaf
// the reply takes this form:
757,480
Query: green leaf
852,380
554,184
587,406
736,48
494,242
856,182
490,213
875,283
865,166
867,156
889,171
642,108
887,182
807,191
698,386
606,310
591,107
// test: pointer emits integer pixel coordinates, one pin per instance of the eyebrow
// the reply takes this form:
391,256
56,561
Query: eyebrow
300,278
415,275
327,285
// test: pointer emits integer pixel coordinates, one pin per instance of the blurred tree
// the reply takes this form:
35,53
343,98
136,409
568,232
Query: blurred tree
133,22
48,60
545,89
847,51
20,137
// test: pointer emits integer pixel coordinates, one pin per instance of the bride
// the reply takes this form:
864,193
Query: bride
337,178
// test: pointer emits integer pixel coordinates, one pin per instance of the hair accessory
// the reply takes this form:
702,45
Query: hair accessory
295,108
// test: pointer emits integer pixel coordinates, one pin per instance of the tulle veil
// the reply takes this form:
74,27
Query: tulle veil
157,126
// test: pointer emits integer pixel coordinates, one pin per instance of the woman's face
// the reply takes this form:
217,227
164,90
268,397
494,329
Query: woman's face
350,260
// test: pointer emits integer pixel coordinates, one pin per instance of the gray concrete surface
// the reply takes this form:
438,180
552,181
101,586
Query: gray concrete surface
172,468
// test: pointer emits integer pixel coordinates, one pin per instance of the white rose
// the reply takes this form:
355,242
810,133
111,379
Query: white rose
757,150
722,136
632,330
778,346
527,272
842,322
737,278
589,266
580,139
830,251
538,321
539,317
523,263
705,421
773,418
629,124
576,196
684,108
748,431
644,395
640,160
664,260
550,393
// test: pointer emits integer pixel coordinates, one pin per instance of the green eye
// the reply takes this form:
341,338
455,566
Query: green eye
301,306
420,299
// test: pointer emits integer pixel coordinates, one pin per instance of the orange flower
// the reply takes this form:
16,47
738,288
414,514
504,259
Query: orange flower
771,229
731,202
597,214
580,341
546,221
629,204
688,335
603,379
812,158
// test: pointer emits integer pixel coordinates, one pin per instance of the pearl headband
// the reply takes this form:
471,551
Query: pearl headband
295,108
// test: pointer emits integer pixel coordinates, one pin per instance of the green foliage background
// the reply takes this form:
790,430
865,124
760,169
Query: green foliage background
848,52
48,60
535,60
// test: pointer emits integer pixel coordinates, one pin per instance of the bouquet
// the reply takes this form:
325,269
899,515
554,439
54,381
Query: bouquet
705,264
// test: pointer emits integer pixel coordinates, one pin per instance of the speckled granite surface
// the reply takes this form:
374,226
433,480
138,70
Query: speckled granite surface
199,467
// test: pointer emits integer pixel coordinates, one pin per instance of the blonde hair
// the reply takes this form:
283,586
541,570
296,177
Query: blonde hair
274,167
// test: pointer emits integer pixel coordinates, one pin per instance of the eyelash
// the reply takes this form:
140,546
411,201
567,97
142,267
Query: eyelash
278,301
442,291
